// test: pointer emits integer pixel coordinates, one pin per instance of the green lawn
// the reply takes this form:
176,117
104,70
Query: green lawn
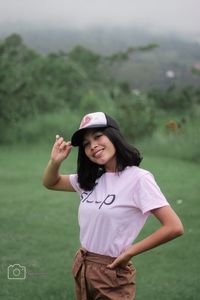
39,230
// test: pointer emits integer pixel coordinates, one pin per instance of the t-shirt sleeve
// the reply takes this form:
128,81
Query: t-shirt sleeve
74,182
147,194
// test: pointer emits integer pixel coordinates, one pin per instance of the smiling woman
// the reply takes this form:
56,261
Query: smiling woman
116,198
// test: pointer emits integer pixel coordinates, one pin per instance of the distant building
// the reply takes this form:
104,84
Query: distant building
170,74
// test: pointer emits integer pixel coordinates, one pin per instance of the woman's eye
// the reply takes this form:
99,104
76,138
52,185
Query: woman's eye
85,144
98,135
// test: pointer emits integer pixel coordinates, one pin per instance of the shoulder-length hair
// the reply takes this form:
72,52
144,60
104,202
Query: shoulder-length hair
126,155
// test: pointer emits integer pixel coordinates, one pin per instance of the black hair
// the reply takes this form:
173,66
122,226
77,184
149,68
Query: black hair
126,155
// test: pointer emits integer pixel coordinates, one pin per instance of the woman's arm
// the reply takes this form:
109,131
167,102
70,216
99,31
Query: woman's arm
52,179
171,227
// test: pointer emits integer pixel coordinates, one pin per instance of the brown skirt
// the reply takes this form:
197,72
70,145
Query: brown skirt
94,281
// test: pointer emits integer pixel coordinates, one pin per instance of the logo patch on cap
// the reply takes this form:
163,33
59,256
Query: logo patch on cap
93,120
86,120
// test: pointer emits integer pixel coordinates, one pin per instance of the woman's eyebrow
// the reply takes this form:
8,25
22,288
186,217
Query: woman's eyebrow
91,134
86,140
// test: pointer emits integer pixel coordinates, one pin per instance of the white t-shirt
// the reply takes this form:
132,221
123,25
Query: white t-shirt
113,213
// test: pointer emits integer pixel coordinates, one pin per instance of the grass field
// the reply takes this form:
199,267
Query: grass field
39,230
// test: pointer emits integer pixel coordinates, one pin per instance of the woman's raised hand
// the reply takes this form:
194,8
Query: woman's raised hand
60,150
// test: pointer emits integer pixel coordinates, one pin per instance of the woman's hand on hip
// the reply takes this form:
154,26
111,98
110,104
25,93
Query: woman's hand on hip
121,261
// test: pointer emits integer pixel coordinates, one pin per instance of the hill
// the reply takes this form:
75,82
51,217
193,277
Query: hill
171,62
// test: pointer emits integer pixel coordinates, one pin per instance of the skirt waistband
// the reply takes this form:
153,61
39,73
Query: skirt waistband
95,257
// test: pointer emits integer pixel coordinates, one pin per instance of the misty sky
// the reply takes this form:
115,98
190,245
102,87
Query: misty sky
180,16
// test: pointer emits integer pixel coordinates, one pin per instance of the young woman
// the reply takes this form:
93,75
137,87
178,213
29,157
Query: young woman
116,198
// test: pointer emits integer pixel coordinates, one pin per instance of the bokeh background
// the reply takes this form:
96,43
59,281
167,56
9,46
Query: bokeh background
138,61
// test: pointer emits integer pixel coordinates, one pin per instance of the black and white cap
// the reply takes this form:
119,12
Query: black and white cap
92,120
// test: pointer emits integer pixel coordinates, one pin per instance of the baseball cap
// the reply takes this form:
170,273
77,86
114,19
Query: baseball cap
92,120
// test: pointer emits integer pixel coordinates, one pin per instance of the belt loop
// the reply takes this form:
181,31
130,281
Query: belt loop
83,253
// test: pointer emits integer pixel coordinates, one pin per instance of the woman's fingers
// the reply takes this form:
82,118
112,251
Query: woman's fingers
114,264
121,260
64,145
59,140
60,143
61,148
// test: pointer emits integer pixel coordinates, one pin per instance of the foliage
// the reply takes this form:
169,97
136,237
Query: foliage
125,55
136,113
43,127
195,71
15,63
87,59
32,85
181,142
173,99
98,99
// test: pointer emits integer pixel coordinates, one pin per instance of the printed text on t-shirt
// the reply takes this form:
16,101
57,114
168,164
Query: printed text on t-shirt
108,200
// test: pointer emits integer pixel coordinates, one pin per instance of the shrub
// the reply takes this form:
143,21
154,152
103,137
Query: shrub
42,128
136,115
183,143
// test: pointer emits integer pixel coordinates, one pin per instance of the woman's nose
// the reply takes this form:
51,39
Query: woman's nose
93,144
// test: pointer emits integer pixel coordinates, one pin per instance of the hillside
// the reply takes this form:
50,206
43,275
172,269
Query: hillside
171,62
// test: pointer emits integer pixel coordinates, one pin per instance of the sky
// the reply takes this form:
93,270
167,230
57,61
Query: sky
178,16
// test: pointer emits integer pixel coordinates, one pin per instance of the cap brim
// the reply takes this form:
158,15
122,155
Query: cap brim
77,137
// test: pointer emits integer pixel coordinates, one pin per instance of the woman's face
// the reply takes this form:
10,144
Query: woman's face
100,150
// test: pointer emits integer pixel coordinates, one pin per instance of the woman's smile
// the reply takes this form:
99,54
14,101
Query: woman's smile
98,153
